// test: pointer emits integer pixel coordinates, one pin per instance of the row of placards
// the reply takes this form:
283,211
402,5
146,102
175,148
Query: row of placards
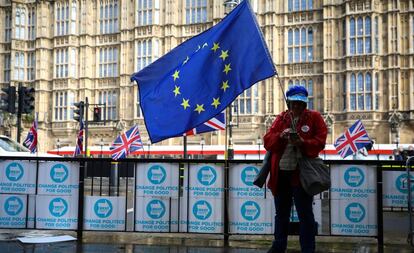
55,178
152,214
161,180
353,198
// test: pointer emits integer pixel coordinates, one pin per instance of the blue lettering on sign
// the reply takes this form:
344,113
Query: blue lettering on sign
207,175
250,210
355,212
103,208
202,210
13,206
248,175
58,207
402,183
156,174
155,209
59,173
354,177
14,171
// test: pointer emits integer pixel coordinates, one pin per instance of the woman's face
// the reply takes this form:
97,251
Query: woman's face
297,107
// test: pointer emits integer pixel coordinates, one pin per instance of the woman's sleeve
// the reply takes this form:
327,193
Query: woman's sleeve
313,146
271,140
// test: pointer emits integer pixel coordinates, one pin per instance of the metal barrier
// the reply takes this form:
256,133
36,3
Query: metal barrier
183,195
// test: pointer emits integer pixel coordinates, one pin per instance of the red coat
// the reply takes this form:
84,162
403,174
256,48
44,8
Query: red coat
311,127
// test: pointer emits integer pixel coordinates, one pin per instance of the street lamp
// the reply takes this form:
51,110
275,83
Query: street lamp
58,145
101,144
148,149
259,143
202,142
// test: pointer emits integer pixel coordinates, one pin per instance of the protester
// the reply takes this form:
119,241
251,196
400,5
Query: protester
397,155
403,153
410,150
287,147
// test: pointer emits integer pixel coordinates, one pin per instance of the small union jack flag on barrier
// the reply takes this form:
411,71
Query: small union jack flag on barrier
79,141
31,140
126,143
216,123
354,139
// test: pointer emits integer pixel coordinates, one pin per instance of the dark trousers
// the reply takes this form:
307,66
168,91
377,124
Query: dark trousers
283,204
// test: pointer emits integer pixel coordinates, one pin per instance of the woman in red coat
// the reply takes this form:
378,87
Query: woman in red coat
287,142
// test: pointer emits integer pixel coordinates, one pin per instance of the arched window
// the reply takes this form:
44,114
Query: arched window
352,93
290,45
360,35
300,45
248,101
352,36
108,17
361,92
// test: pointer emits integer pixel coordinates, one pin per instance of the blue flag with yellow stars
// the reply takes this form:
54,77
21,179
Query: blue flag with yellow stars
199,78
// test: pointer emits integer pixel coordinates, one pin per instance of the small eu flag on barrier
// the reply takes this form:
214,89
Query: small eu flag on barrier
198,79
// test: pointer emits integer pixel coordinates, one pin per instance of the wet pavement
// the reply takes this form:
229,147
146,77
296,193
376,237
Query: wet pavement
103,242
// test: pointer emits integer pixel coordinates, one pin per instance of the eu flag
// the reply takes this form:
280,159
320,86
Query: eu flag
198,79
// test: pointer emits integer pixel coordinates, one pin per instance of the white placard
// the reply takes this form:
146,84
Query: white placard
157,179
13,211
251,216
18,177
353,200
206,180
58,178
353,182
395,188
56,212
354,217
154,214
206,215
104,213
241,182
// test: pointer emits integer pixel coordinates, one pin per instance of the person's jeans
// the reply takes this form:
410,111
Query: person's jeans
283,204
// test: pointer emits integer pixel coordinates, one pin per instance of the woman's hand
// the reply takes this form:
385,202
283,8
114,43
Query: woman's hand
285,133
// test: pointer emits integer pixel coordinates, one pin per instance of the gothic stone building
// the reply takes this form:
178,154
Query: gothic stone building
354,56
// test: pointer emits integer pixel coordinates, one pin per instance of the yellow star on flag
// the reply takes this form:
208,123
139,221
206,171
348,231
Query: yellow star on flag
215,47
225,85
185,103
175,75
216,102
199,108
227,68
224,54
176,90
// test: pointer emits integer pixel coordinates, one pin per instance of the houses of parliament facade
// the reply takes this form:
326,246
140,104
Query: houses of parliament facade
355,57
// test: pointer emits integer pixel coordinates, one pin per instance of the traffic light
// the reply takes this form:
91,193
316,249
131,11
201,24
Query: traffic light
8,100
96,114
26,99
78,112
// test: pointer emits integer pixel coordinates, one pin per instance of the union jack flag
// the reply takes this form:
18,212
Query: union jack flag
216,123
354,139
126,143
31,140
79,141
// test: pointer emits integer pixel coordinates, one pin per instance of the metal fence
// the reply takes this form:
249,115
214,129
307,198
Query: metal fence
187,196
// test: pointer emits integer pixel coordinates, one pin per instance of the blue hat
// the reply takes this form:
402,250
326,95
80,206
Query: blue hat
297,93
